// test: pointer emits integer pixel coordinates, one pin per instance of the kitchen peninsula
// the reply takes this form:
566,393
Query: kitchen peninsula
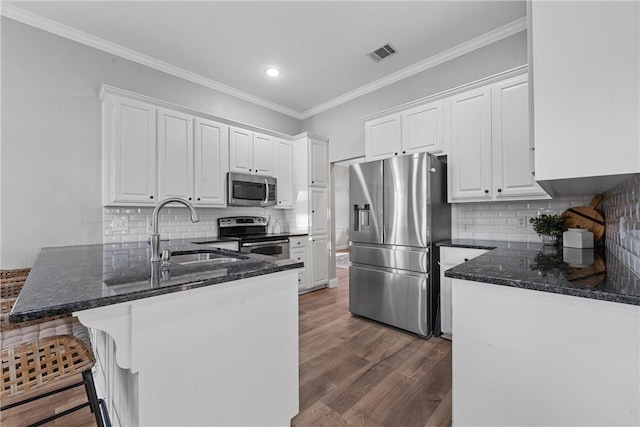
196,343
542,338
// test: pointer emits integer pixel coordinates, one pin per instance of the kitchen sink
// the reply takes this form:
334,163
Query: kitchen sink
201,257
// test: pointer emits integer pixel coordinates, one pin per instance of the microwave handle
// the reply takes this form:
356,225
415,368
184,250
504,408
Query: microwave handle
266,193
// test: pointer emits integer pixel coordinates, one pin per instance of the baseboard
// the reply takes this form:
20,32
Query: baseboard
333,282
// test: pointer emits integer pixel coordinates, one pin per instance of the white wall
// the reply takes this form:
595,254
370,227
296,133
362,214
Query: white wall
51,144
341,194
344,127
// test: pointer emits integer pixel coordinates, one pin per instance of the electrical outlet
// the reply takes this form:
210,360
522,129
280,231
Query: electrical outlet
522,222
120,223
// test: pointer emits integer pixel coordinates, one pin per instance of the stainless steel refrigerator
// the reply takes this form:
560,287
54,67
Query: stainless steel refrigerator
398,210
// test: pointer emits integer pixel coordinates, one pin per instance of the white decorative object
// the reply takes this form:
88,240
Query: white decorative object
577,238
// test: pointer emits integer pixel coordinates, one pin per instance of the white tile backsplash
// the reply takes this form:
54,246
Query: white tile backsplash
621,206
175,222
500,220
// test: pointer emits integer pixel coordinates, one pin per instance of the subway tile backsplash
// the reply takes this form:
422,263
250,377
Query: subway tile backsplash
507,221
621,206
128,224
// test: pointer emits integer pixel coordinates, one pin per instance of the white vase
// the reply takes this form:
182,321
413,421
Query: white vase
549,239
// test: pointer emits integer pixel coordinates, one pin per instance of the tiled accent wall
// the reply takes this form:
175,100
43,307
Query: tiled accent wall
621,207
505,220
175,222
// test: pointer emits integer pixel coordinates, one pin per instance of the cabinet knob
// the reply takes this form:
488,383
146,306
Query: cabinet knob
189,198
404,152
249,170
486,191
499,190
198,198
280,201
313,211
395,154
151,197
312,182
466,259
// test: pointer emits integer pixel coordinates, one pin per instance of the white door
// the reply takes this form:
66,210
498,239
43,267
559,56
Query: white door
131,152
175,155
470,158
320,262
319,167
318,199
382,137
284,173
263,154
211,154
511,144
422,128
240,150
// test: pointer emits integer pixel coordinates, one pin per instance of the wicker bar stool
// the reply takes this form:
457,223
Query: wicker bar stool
38,354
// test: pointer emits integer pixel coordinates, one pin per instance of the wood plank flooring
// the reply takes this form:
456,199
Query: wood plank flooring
353,372
357,372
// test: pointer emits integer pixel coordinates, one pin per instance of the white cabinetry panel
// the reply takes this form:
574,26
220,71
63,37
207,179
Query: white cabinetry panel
240,150
284,155
175,155
211,145
319,218
422,128
382,137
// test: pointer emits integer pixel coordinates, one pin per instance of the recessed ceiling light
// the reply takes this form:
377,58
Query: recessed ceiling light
272,72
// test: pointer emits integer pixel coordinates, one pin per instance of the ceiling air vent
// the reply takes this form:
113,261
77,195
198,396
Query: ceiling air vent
382,52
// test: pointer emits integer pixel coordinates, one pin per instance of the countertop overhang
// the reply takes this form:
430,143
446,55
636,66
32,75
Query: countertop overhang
73,278
548,269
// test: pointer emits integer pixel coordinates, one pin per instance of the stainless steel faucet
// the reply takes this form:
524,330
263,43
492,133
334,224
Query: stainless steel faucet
155,236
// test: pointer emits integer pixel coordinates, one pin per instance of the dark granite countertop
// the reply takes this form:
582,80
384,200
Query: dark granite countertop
585,273
73,278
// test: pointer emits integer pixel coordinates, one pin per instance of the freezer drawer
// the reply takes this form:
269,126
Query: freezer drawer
399,257
396,298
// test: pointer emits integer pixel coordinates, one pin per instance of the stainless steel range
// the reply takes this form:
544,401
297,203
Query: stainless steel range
253,236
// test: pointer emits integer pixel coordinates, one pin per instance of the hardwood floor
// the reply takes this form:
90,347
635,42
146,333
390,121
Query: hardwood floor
352,372
357,372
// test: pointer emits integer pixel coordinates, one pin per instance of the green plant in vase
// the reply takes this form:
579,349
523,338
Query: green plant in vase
549,227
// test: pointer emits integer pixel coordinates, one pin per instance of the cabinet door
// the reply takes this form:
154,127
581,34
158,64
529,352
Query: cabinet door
318,217
318,163
511,145
211,154
175,155
469,169
240,150
320,261
263,154
382,137
130,151
422,128
284,173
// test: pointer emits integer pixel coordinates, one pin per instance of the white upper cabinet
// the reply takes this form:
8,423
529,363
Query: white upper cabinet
586,108
129,152
250,152
469,168
382,137
413,130
211,149
284,175
422,128
175,155
490,150
512,148
318,163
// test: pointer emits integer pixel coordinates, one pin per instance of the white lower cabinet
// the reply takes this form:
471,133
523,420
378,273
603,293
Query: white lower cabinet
298,253
320,260
449,258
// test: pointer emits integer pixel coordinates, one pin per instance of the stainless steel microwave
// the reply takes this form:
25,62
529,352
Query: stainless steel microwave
250,190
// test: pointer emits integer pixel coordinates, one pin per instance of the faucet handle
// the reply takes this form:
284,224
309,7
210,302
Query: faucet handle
166,255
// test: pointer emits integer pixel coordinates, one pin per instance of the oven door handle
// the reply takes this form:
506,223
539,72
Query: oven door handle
266,193
267,243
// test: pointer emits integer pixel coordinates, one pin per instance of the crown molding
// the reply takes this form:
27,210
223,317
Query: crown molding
459,50
37,21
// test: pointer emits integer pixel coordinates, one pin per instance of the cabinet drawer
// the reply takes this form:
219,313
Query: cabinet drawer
298,254
297,242
455,256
